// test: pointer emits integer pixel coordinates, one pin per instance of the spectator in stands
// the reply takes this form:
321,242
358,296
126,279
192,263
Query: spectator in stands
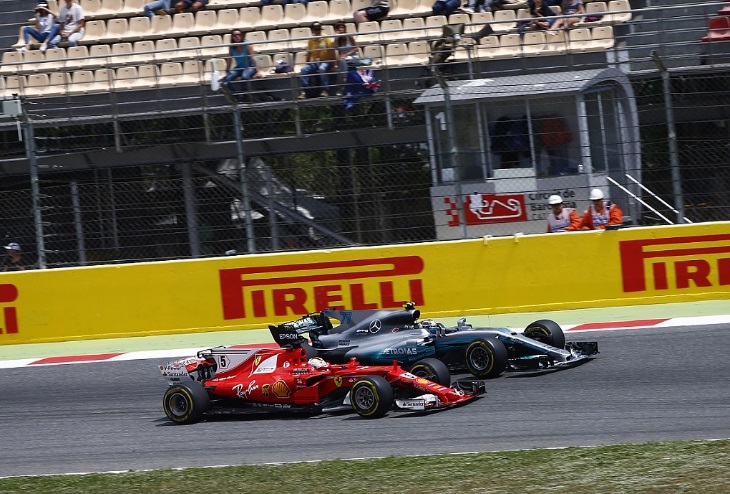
347,53
46,28
482,6
561,219
190,6
446,7
568,7
71,24
284,2
537,9
321,58
601,213
14,259
241,64
152,7
378,10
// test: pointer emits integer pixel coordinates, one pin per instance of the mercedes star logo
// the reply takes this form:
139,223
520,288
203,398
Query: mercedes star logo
375,326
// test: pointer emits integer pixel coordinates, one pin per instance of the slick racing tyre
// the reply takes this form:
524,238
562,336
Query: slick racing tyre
546,331
486,358
185,403
371,397
433,370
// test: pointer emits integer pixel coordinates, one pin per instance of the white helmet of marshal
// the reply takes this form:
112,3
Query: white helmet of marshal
596,195
555,199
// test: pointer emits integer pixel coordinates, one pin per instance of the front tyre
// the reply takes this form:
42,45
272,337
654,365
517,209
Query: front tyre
371,397
433,370
486,358
185,403
546,331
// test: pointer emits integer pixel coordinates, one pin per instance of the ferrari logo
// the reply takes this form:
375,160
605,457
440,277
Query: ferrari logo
257,360
265,390
338,381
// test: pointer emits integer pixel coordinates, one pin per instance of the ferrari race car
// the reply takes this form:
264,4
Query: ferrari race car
375,337
237,380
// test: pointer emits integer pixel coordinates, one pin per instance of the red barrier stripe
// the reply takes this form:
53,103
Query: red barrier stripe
619,324
76,358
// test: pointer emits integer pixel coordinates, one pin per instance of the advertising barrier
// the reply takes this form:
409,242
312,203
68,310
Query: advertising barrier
488,275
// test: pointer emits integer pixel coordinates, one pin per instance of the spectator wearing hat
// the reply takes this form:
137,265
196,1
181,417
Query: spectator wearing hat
561,219
321,59
601,213
378,10
45,27
71,24
13,260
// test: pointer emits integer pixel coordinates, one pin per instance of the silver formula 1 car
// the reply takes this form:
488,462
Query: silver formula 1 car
377,337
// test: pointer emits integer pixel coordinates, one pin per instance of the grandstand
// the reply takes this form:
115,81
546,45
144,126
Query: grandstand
135,96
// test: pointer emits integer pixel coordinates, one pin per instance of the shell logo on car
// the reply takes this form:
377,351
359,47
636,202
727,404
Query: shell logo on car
280,389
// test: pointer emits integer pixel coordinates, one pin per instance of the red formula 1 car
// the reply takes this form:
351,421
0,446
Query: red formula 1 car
236,380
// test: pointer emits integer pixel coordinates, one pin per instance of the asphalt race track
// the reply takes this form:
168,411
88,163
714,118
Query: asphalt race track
646,385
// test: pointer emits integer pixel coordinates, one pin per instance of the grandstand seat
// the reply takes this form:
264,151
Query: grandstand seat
98,56
479,20
116,30
368,32
20,41
227,20
93,31
148,76
294,15
211,46
340,11
396,54
434,25
391,30
317,10
533,43
166,50
124,77
487,48
373,52
143,51
170,74
193,74
271,16
122,53
182,24
82,82
257,39
60,80
249,17
263,63
510,46
77,57
12,62
514,4
504,21
419,52
160,26
425,7
298,37
104,78
459,18
37,85
619,11
90,7
580,40
359,4
189,47
414,28
277,40
718,29
403,8
206,22
33,61
603,38
111,8
14,84
56,58
139,28
557,43
597,8
133,8
276,57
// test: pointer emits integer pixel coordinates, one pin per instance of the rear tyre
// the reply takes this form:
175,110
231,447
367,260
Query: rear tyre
486,358
186,403
433,370
371,397
546,331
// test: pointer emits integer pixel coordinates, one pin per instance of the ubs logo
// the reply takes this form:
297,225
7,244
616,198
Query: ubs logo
9,293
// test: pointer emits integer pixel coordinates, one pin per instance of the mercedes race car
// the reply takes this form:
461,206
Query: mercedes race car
376,337
237,380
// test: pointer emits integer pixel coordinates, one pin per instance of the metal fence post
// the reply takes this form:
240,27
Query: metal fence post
29,137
